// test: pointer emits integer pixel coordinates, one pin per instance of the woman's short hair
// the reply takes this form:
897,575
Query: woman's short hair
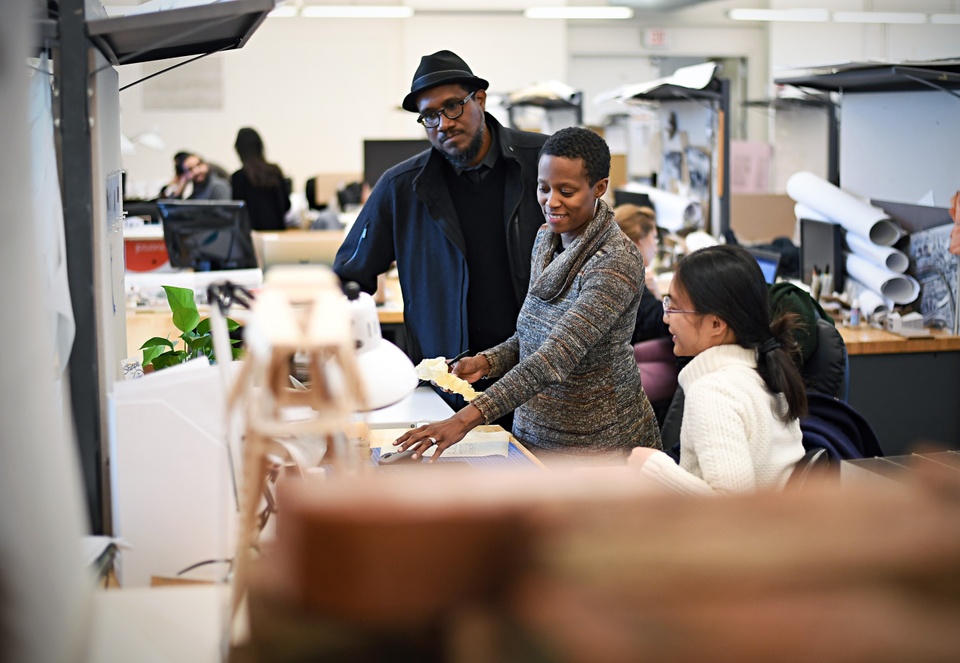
580,143
635,221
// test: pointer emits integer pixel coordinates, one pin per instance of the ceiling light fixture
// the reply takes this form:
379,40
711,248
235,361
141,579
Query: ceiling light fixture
879,17
787,15
945,19
579,13
356,11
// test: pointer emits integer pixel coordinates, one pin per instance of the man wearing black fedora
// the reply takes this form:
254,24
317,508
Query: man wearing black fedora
459,219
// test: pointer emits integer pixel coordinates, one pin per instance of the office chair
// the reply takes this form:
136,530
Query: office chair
814,462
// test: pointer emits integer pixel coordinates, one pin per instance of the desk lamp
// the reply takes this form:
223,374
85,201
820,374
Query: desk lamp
302,311
387,373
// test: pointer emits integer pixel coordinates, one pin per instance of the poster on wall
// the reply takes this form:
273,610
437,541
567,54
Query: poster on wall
936,271
698,177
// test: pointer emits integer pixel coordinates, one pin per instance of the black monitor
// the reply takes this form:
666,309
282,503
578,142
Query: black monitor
380,155
207,235
623,197
146,209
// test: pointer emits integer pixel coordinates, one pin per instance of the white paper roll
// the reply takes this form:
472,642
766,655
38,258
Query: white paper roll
899,288
673,212
849,211
870,302
892,259
804,212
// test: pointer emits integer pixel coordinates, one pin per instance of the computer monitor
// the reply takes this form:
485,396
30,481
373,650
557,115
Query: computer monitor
769,262
623,197
207,235
145,209
380,155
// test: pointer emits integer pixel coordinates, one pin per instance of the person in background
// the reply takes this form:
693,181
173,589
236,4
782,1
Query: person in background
177,187
207,185
459,219
640,225
259,183
744,394
568,371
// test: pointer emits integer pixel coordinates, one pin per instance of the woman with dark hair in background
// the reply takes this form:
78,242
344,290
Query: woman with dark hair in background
744,394
259,184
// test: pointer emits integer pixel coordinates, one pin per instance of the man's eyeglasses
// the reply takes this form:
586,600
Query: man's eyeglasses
667,310
451,111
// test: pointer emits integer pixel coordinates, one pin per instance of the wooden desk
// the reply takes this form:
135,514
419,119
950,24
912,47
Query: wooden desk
907,388
864,340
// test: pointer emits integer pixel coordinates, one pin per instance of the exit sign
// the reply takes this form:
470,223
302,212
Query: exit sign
656,38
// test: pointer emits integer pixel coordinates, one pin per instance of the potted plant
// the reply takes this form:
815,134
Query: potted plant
196,334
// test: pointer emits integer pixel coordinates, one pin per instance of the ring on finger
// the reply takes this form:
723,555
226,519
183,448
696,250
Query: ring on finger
432,440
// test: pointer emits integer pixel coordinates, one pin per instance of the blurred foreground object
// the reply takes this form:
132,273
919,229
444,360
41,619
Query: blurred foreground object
593,566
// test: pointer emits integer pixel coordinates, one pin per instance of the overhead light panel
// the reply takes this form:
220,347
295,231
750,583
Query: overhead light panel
787,15
945,19
284,11
580,13
879,17
356,11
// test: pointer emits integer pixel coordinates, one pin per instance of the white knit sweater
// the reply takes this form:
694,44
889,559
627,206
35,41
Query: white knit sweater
730,439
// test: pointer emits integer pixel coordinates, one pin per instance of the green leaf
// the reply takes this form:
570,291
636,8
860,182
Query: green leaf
150,353
204,326
237,353
157,342
185,319
232,325
170,359
179,298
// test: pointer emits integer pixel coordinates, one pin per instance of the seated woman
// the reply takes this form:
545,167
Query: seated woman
744,395
640,225
260,184
568,372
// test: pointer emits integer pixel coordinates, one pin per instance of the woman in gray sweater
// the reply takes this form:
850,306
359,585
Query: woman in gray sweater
568,372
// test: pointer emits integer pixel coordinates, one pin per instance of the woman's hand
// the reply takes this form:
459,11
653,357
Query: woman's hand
639,456
443,434
472,368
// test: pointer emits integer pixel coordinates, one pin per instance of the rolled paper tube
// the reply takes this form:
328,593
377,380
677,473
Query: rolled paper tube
893,259
899,288
674,212
854,214
870,302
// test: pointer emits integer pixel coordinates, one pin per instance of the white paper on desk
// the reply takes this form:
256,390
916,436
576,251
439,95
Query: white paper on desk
854,214
477,444
891,258
898,288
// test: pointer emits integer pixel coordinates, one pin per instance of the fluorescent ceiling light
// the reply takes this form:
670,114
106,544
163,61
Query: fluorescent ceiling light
879,17
283,11
587,13
356,11
802,15
945,19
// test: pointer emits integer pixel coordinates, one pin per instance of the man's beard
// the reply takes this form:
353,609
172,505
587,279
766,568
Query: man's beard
465,158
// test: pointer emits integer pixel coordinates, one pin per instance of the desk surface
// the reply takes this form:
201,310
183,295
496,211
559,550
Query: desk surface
866,340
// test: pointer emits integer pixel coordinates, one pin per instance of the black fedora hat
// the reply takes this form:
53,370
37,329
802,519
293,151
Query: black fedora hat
438,69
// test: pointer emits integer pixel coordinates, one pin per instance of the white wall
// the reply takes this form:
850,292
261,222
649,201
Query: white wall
315,88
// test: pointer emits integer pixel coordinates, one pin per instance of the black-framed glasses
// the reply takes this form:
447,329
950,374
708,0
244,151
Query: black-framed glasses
667,310
451,111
